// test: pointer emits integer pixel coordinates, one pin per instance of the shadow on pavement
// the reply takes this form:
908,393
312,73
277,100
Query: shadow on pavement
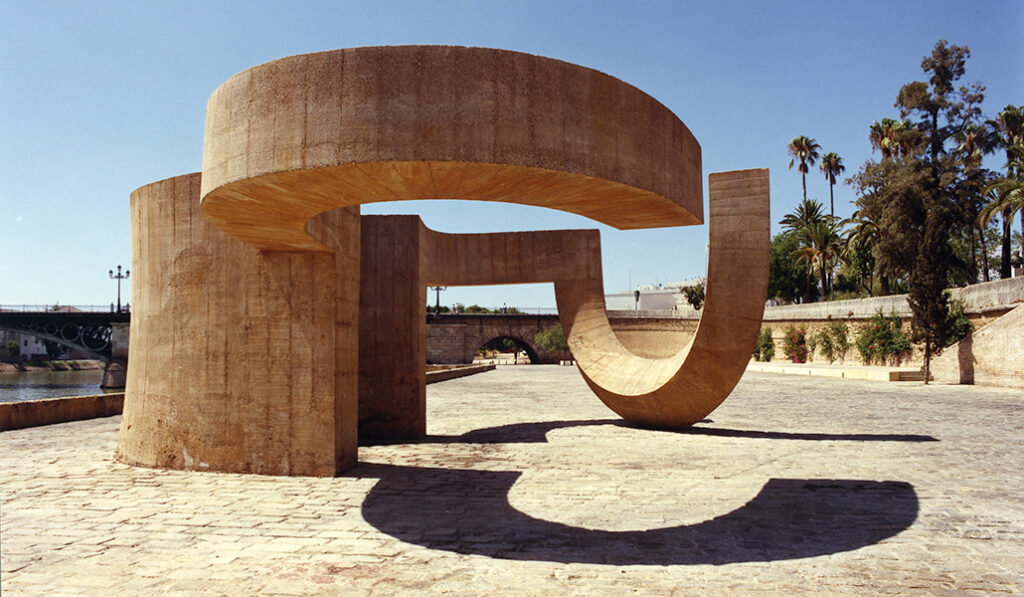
468,512
530,433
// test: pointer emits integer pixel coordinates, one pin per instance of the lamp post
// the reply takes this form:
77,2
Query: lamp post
437,290
119,276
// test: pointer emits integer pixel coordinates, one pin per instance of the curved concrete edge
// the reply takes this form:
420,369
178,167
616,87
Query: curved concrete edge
34,413
297,136
680,390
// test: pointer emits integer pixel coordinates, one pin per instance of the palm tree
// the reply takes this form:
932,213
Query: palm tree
1009,198
887,136
820,248
973,141
804,149
832,166
805,214
1007,132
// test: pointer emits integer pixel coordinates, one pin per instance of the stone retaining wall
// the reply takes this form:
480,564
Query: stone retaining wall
33,413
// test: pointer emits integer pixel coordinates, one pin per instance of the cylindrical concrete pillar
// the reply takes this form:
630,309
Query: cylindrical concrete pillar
234,364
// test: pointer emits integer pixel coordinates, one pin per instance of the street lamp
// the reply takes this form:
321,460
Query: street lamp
437,290
119,277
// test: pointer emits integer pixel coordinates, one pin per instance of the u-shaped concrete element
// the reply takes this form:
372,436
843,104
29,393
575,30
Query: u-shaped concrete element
680,390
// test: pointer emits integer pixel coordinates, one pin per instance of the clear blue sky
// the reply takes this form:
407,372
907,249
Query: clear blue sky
99,98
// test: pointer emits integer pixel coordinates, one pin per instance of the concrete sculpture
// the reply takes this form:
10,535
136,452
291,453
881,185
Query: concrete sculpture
273,326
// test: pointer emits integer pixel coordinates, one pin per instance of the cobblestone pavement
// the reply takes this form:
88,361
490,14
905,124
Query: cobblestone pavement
527,485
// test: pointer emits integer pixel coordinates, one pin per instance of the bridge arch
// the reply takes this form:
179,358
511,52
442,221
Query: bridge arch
521,344
93,340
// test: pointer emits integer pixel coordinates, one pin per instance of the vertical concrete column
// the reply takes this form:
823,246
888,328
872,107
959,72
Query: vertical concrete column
233,349
114,373
392,329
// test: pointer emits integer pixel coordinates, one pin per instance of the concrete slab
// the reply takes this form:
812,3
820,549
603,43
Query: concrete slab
525,485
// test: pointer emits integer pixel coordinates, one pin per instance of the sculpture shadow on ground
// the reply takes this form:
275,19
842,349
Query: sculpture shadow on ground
530,433
468,512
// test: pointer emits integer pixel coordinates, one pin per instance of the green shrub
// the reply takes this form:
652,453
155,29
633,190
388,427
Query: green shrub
832,341
794,345
764,349
882,340
959,325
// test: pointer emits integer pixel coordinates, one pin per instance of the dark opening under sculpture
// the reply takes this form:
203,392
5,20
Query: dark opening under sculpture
273,326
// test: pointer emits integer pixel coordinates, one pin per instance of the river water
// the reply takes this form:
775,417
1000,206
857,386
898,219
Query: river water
33,385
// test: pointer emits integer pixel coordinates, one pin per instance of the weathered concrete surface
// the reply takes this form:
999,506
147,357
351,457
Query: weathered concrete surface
992,356
401,257
33,413
235,361
291,138
865,489
681,389
289,141
392,329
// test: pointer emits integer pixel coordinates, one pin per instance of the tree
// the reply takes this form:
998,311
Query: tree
787,281
943,111
890,137
552,339
694,294
1008,192
832,166
889,206
1007,130
820,248
804,149
806,213
13,351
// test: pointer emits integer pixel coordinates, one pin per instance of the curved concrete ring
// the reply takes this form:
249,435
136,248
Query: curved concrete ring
295,137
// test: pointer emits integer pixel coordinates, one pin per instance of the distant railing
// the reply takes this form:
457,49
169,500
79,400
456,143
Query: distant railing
61,308
517,311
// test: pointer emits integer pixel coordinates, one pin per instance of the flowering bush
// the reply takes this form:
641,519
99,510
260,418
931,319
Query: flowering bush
764,350
795,344
832,341
882,340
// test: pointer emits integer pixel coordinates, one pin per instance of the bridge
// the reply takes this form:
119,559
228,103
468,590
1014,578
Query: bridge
102,335
455,338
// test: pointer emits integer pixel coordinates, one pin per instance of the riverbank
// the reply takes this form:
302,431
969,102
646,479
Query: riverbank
76,365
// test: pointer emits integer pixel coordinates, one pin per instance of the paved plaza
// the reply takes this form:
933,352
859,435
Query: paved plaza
527,485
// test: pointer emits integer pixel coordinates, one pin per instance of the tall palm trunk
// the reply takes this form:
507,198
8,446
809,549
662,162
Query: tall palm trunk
831,201
803,178
984,253
1004,263
974,257
824,278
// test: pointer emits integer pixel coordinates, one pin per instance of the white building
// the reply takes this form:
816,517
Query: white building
29,346
653,297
